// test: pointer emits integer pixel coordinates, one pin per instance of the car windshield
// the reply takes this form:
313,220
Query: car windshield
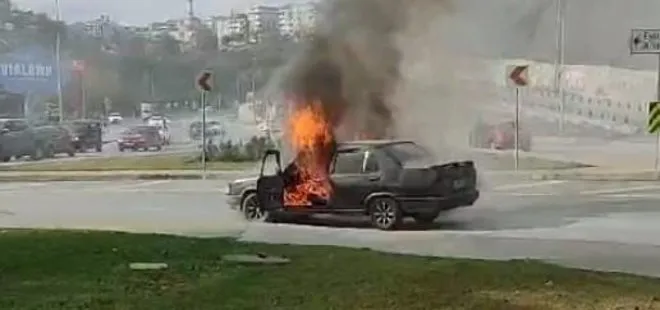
408,152
115,114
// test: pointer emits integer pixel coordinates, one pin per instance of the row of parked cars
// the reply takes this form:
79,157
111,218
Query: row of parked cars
20,138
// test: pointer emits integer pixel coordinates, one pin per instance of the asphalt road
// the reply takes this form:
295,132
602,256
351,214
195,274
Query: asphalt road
601,225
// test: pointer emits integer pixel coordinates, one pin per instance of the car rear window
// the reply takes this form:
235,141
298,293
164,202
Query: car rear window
407,152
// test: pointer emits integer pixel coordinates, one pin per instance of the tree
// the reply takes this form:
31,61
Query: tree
206,40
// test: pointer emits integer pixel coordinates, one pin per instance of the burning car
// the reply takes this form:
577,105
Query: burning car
500,136
387,180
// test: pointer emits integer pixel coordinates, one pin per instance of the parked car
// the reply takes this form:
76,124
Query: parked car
56,140
18,139
500,136
213,129
140,138
86,134
387,180
115,118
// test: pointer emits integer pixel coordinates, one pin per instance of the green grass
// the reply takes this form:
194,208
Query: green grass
155,162
89,270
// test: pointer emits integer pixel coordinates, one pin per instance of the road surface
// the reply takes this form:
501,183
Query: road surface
602,225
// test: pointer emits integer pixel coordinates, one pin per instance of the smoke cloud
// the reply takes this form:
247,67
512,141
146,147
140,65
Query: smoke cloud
406,68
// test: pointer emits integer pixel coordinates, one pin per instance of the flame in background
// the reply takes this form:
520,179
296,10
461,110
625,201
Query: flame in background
312,139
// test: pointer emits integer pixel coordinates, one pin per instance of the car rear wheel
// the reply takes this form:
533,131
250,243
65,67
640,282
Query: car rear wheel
252,210
99,148
6,158
385,213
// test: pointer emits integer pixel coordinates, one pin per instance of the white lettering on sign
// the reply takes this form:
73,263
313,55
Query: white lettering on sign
645,41
26,70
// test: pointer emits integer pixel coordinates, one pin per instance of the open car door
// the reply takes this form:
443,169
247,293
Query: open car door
270,186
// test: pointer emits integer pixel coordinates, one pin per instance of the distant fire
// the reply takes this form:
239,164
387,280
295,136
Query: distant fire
311,135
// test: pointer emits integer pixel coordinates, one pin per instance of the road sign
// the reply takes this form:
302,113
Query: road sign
645,41
654,117
516,76
203,80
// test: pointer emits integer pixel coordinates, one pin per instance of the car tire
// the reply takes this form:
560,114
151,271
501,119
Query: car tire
425,218
99,148
385,213
71,153
252,211
159,148
121,149
6,158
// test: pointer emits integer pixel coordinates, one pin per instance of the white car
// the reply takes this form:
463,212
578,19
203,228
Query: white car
115,118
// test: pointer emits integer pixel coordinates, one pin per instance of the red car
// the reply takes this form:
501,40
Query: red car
500,137
140,138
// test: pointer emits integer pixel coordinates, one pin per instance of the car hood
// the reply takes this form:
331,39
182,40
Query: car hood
236,187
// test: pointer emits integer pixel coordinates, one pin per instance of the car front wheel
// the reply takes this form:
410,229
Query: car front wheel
385,213
252,210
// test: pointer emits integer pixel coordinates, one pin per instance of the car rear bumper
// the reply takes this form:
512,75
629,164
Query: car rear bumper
430,204
129,145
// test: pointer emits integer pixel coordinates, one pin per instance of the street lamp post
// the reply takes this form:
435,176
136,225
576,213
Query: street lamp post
559,61
58,59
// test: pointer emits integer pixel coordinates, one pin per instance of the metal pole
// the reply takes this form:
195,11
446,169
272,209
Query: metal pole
204,135
657,140
517,131
58,59
83,91
559,61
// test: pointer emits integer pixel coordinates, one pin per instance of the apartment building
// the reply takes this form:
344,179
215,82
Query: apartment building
263,21
296,21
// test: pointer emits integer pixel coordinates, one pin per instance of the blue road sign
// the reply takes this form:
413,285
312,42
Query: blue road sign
30,70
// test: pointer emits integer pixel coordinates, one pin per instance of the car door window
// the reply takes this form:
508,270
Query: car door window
348,162
370,163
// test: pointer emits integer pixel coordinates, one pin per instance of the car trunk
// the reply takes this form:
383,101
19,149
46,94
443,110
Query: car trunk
455,176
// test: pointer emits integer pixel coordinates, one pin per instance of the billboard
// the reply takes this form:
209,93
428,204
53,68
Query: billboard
30,70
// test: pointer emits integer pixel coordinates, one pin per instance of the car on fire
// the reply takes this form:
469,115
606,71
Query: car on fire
386,180
500,136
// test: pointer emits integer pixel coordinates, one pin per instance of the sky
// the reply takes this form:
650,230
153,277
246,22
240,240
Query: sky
138,12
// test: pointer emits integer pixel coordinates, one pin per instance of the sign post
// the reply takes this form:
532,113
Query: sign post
654,128
647,41
517,78
204,86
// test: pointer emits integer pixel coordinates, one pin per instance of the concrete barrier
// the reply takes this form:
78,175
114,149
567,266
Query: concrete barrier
599,95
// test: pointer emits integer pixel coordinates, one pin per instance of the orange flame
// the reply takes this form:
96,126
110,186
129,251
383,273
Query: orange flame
311,137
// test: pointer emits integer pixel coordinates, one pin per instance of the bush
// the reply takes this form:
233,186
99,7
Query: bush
231,151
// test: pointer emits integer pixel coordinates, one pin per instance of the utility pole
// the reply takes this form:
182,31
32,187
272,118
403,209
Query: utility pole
559,60
58,65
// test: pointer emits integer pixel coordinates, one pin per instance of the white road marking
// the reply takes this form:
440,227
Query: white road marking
9,187
527,185
620,190
633,196
140,185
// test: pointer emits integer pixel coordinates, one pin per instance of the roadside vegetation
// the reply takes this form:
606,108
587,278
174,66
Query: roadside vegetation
90,270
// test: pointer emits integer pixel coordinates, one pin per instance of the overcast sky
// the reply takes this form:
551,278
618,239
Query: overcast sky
138,11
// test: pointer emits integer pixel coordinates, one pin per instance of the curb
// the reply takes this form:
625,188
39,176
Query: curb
577,176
